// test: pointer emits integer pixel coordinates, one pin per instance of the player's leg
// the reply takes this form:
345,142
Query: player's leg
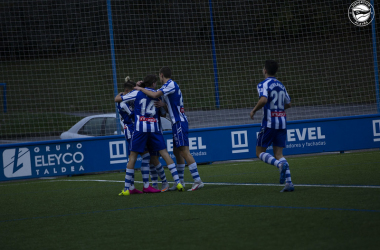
180,164
132,186
180,167
185,153
129,173
266,157
173,170
279,143
160,171
132,189
264,140
181,141
138,144
145,168
193,168
145,174
156,142
269,159
152,170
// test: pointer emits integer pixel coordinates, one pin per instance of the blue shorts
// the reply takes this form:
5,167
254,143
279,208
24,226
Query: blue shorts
153,153
141,140
128,143
127,133
180,134
267,136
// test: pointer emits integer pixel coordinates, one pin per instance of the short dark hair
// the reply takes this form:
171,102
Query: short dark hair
148,81
166,71
271,67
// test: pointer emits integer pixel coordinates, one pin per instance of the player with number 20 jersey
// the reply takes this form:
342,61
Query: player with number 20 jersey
274,115
273,99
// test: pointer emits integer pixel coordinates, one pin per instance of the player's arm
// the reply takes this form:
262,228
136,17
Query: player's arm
287,101
149,93
118,97
131,96
260,104
161,105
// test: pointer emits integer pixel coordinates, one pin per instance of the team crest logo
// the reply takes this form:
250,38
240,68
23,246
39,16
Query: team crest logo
361,13
17,162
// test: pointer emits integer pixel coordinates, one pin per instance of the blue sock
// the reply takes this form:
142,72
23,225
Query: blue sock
194,171
181,171
153,175
128,178
287,173
145,169
161,172
173,171
268,158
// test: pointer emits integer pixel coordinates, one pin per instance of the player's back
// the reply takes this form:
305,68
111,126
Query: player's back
274,115
173,97
146,114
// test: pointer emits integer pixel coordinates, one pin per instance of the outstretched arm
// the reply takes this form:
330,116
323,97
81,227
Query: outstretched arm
149,93
260,104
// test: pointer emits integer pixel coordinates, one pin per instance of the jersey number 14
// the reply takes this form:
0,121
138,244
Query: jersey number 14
150,109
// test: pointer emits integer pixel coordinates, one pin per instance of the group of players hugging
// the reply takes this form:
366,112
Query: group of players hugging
140,106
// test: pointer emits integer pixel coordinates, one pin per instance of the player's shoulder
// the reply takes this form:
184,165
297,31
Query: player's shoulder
150,89
265,82
260,85
133,93
271,82
171,83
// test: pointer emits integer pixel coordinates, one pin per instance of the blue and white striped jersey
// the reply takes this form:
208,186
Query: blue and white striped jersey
127,118
274,115
174,100
146,114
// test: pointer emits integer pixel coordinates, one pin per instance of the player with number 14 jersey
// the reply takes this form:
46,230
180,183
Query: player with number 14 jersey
146,114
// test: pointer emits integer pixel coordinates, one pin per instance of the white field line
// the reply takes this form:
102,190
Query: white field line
244,184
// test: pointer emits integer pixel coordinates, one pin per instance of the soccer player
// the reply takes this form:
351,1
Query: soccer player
127,120
173,98
147,132
155,168
274,98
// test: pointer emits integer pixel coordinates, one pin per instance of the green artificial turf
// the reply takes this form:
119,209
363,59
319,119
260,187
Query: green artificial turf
335,205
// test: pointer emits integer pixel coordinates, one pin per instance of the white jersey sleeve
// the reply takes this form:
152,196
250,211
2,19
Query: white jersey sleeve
168,88
131,96
125,108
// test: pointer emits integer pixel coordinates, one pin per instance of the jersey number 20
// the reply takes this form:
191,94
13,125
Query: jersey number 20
277,100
